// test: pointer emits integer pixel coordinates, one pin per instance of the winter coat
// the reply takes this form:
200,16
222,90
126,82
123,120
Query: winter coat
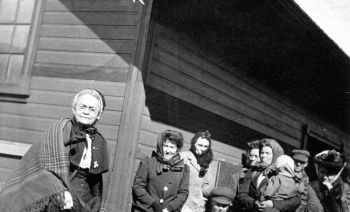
249,192
281,186
308,196
198,186
169,186
335,200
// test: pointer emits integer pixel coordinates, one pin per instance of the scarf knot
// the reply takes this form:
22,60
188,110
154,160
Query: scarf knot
175,164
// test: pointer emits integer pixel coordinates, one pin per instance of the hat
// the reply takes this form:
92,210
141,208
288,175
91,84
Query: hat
301,155
222,195
330,159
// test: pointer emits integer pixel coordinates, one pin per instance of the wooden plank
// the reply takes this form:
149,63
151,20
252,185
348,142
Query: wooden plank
125,33
86,45
89,59
92,5
119,198
216,95
196,55
13,148
200,72
80,72
53,112
72,85
20,135
91,18
210,105
42,124
65,99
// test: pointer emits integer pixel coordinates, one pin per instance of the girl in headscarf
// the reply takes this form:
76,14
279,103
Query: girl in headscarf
254,183
64,170
198,159
161,181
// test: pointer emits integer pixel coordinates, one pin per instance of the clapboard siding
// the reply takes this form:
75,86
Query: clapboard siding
123,33
181,68
92,5
86,45
91,18
87,39
218,95
83,58
213,106
208,68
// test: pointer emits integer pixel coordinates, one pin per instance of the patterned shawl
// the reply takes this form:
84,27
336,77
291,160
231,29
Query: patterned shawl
43,173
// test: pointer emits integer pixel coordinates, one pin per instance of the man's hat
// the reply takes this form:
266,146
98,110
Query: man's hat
223,195
301,155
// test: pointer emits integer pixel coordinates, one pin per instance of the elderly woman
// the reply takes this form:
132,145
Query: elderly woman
64,170
333,193
198,159
161,181
256,180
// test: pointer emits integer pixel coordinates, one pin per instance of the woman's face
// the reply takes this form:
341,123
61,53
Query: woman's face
86,111
253,156
325,175
169,150
266,155
201,145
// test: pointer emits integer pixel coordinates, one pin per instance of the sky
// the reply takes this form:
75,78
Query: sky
333,17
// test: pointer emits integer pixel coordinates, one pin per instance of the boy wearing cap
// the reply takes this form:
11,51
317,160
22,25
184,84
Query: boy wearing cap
308,197
333,193
221,199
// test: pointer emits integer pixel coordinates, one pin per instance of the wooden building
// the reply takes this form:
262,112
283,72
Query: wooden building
155,76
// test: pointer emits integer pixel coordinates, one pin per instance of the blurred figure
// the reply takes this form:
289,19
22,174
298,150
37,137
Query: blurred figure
282,185
333,193
308,197
221,199
198,159
249,159
161,181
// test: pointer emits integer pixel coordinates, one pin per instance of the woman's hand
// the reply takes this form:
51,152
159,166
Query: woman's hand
264,204
165,210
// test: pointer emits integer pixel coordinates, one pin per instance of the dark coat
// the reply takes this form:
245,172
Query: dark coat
149,187
249,193
335,200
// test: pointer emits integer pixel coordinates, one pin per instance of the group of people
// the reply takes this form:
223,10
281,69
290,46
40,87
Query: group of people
64,172
269,181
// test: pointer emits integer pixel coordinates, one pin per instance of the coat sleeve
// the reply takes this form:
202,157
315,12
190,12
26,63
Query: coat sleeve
182,194
313,203
243,197
272,187
140,194
287,205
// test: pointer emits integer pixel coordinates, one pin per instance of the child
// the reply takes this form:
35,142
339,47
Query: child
281,186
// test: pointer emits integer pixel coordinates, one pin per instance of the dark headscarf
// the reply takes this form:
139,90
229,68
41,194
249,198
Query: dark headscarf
277,151
206,157
175,163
